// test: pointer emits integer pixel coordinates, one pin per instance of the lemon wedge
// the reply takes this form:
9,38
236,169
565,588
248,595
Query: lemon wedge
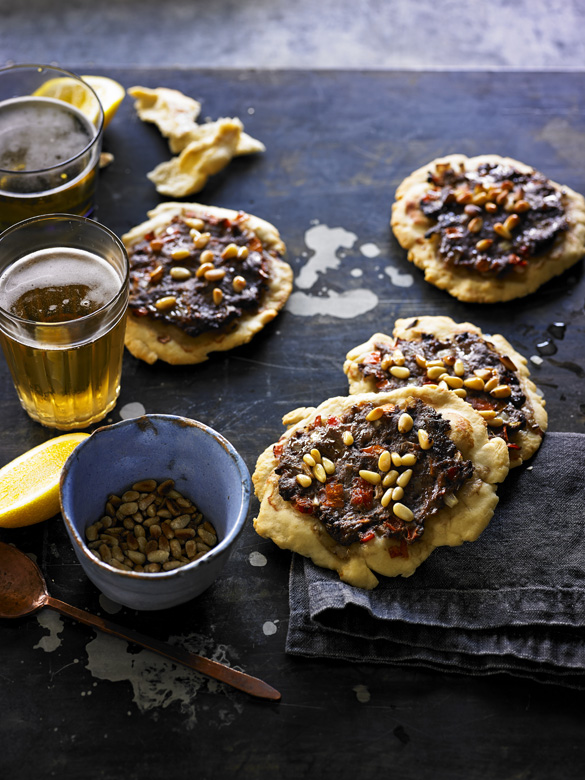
109,92
29,484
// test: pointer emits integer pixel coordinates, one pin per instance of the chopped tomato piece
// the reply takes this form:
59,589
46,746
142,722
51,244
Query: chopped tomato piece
304,505
373,357
367,537
277,450
362,494
334,495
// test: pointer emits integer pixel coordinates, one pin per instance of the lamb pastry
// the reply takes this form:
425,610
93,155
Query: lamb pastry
486,371
202,279
374,482
488,228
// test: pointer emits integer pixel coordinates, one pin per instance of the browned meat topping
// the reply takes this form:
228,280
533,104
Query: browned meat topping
373,472
198,275
493,220
466,364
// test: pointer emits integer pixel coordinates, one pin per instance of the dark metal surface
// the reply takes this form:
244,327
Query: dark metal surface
337,144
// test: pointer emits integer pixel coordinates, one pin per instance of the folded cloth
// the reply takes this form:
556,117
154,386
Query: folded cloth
512,601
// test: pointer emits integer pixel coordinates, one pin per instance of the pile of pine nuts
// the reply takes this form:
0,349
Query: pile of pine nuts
150,528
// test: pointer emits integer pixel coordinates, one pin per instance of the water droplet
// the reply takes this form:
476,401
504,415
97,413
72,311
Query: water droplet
557,330
546,348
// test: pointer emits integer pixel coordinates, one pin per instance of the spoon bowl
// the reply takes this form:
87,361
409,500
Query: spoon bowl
23,591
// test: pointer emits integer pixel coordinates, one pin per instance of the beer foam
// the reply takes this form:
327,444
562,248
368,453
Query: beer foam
59,267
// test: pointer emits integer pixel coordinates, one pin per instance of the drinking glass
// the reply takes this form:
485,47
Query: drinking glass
51,126
63,301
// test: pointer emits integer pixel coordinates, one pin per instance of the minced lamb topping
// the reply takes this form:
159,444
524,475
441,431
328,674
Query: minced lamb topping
200,275
468,365
375,471
492,220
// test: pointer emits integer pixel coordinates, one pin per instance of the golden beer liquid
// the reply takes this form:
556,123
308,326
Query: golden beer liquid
43,138
62,384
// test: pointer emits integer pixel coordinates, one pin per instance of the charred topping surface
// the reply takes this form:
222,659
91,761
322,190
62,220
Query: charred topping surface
350,507
493,220
197,308
475,354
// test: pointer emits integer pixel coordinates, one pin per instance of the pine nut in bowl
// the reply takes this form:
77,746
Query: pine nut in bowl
153,507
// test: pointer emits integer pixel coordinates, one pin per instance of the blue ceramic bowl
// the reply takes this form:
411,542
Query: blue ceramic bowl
206,468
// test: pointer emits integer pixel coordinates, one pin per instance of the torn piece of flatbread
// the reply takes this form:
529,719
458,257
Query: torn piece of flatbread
201,133
374,482
170,110
188,173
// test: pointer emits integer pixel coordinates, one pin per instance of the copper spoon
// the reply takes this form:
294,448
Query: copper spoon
23,591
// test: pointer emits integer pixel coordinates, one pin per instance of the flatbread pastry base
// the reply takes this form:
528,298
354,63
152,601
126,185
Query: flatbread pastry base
444,329
410,225
356,564
149,339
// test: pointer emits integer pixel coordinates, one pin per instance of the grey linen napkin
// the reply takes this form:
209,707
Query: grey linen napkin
513,601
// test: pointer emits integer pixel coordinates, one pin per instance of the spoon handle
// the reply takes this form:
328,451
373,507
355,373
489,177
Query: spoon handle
240,680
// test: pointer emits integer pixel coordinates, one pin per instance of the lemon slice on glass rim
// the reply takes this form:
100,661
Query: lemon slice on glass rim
29,484
69,90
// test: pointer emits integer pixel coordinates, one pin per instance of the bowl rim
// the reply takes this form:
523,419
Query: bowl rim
205,560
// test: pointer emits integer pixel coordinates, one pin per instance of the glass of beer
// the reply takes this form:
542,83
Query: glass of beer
51,125
63,301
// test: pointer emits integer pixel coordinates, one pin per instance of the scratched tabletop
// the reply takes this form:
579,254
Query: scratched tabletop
337,145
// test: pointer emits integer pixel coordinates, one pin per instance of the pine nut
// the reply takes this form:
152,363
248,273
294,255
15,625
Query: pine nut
230,251
501,391
385,500
409,459
405,423
180,274
201,240
309,460
474,383
374,414
404,478
453,382
328,465
304,480
126,547
370,476
239,283
242,253
397,493
180,254
347,438
384,461
491,384
158,556
206,257
434,372
319,473
316,455
396,459
459,367
400,372
194,222
214,274
423,439
145,486
165,303
217,296
403,512
390,479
